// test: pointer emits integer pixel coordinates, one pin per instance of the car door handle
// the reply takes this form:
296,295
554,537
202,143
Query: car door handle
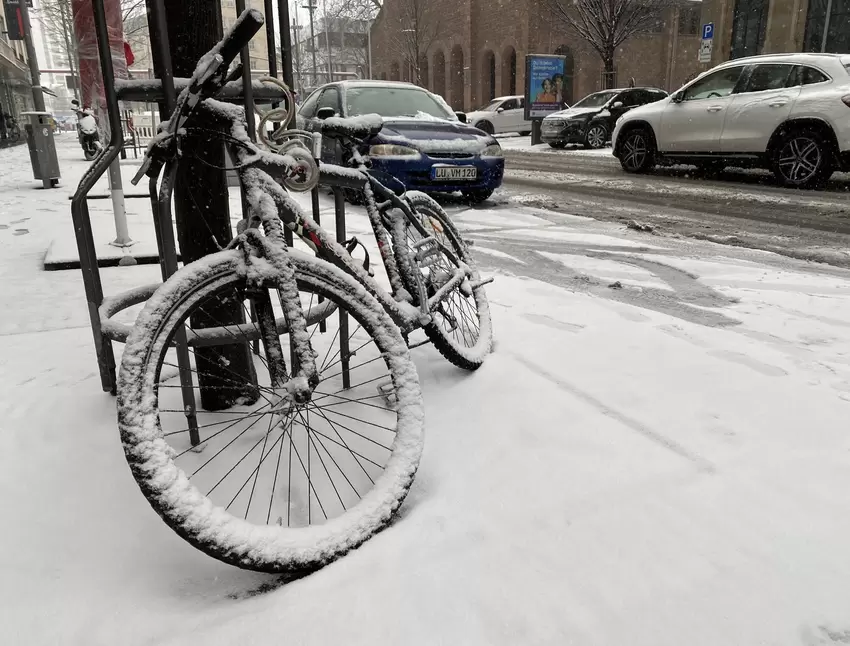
778,104
714,108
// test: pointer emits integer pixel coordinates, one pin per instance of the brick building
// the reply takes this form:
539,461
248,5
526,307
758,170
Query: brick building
475,49
478,46
749,27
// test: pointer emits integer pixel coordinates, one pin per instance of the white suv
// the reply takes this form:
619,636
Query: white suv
786,112
502,114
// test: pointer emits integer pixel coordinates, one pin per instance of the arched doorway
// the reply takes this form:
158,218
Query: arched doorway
394,72
569,67
457,78
488,77
509,71
439,73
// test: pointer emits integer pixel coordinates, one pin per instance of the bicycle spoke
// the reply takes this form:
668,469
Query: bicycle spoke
309,484
348,399
322,411
200,426
306,425
257,470
245,430
351,353
350,484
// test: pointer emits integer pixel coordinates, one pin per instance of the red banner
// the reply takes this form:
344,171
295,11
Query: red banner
93,95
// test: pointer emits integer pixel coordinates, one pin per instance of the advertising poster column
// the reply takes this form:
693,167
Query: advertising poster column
544,78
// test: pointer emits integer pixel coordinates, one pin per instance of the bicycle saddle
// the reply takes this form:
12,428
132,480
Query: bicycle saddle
352,127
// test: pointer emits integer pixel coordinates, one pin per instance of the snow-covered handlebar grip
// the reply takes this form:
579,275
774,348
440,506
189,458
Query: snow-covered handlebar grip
241,33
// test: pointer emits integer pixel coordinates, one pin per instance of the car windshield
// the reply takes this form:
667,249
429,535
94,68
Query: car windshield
489,107
393,102
595,100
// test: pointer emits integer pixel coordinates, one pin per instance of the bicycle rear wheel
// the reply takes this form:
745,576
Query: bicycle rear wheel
461,329
268,488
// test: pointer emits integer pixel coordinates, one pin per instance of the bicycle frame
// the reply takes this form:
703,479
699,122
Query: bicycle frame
257,168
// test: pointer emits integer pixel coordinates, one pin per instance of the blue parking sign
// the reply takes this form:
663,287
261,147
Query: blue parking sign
708,31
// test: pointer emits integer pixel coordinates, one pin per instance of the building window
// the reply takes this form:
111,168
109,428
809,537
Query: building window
689,21
657,25
826,26
748,26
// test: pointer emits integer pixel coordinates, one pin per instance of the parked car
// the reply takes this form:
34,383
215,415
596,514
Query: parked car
786,112
591,120
503,114
423,144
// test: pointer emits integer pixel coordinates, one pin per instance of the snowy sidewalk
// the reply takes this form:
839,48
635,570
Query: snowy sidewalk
656,453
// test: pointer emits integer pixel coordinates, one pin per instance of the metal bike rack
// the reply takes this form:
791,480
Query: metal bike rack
104,329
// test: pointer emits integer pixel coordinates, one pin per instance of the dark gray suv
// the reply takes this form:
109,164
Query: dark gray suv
591,120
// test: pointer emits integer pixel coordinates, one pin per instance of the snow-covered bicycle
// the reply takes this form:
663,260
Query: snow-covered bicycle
286,466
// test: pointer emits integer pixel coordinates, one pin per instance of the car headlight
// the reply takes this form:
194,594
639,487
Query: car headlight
493,150
392,150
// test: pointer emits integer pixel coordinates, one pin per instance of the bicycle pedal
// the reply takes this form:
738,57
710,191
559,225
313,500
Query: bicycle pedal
387,391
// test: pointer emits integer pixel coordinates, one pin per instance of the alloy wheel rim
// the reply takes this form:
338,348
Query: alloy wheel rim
800,159
634,151
596,137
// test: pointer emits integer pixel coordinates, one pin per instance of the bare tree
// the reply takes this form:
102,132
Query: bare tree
419,25
349,20
607,24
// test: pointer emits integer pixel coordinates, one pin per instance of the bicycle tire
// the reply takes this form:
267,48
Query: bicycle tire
191,513
453,349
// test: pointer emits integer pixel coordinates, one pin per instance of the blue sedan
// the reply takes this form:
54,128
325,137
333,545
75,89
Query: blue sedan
423,144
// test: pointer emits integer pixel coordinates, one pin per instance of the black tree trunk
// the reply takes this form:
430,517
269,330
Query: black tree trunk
225,373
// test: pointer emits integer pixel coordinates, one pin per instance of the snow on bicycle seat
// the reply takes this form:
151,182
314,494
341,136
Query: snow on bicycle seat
358,127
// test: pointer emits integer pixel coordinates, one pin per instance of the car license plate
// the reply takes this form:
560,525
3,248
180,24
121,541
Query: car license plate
462,173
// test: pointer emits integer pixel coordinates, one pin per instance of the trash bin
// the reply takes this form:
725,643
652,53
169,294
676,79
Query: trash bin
42,147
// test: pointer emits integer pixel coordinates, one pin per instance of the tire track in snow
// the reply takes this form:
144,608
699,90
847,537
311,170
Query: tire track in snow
703,465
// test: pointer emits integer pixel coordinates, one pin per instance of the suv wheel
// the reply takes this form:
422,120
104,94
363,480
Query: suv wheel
802,159
486,126
638,152
596,136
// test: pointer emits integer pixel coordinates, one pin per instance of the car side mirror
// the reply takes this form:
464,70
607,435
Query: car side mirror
325,113
617,104
500,110
75,103
678,97
461,116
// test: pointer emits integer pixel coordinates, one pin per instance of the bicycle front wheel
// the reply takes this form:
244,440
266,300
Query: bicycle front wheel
263,486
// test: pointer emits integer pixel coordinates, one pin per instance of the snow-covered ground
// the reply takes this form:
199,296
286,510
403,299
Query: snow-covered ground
655,453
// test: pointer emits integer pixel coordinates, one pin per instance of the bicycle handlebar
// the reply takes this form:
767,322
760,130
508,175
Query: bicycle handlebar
243,30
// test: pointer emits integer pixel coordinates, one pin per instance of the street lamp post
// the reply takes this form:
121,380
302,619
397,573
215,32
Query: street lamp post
37,94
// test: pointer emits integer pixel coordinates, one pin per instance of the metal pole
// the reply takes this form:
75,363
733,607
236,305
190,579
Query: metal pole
311,7
37,94
826,25
268,9
285,43
369,49
328,42
297,49
344,356
247,90
116,189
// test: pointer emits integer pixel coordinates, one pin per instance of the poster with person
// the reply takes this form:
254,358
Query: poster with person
544,83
